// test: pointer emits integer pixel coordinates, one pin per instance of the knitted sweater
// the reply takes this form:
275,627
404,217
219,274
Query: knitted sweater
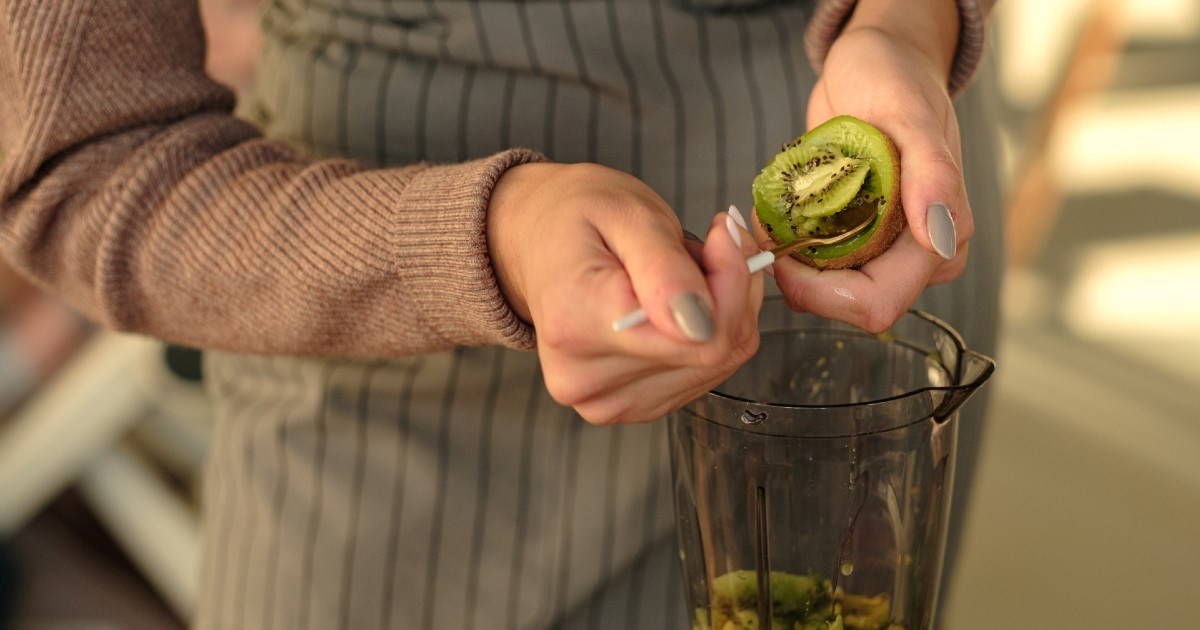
129,188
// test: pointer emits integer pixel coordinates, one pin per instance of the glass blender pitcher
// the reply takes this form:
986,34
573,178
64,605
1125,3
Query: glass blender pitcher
813,487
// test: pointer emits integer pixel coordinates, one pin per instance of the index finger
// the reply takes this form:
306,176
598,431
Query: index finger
664,275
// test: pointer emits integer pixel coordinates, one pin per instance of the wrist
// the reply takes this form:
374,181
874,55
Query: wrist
508,216
929,27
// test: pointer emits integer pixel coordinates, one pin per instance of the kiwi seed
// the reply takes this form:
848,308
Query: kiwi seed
835,171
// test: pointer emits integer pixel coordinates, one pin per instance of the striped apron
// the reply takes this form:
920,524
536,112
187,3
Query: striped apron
449,490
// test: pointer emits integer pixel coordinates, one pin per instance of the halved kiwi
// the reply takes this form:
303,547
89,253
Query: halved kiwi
821,183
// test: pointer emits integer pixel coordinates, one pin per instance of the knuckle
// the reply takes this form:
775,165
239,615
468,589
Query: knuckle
749,344
559,330
712,355
944,156
745,344
617,195
728,350
606,412
796,297
550,336
567,391
583,173
718,359
964,225
593,416
880,316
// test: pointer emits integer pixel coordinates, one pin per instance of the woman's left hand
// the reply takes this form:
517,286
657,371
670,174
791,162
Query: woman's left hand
877,74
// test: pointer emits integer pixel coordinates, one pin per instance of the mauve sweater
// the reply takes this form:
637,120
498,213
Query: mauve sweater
129,188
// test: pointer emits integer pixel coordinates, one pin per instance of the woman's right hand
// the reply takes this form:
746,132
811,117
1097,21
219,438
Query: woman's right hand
577,246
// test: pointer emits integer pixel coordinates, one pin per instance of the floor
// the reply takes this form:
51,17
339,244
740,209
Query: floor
72,576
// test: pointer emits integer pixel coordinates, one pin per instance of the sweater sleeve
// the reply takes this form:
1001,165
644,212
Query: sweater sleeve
128,188
831,15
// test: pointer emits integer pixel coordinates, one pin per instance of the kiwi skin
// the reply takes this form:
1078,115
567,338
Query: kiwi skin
889,218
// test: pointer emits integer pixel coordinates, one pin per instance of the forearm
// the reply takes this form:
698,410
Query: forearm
965,19
129,189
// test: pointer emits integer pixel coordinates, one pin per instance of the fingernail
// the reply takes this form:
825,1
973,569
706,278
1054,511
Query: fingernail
692,317
731,223
688,236
941,229
737,216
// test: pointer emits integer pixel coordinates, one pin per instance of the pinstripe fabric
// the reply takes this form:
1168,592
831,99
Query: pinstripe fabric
449,491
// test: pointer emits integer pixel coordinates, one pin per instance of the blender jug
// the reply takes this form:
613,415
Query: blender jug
819,476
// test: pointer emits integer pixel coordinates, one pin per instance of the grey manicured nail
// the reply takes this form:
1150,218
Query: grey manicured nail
737,216
692,316
941,230
731,225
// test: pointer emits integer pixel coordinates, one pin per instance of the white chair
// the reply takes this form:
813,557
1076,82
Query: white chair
78,429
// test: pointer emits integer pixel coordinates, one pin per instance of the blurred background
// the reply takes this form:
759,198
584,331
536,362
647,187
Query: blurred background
1087,508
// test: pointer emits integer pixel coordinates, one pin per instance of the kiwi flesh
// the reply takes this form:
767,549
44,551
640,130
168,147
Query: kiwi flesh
823,183
798,602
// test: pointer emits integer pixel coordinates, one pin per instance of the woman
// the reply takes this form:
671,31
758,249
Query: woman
385,455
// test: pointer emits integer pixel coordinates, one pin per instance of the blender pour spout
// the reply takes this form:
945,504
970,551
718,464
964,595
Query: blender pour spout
973,370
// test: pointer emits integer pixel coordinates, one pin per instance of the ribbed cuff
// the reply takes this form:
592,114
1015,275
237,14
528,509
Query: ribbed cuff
831,16
442,249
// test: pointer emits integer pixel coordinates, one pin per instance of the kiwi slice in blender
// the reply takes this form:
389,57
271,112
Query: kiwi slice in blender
825,182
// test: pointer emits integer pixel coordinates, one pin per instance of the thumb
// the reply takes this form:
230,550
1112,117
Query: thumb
932,193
